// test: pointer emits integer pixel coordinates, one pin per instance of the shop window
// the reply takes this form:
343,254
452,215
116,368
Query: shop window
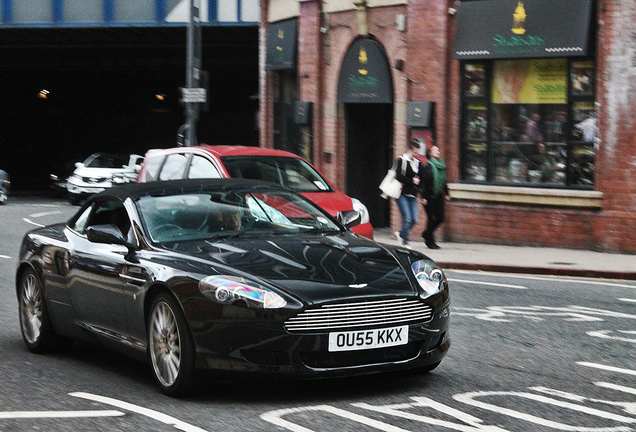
528,122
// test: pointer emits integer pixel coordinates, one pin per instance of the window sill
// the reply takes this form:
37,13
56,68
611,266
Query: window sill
526,195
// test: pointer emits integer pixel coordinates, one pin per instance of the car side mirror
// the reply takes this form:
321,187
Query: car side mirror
111,234
349,218
107,234
79,164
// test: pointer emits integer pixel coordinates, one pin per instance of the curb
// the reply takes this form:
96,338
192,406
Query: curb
546,271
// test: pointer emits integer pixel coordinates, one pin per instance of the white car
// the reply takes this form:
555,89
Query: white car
101,171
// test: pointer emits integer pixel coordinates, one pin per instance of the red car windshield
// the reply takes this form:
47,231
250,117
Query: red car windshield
291,172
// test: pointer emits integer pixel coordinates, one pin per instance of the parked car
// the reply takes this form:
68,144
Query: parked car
100,171
230,275
59,175
277,166
5,186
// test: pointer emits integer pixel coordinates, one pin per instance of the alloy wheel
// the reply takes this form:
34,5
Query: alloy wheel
165,344
31,309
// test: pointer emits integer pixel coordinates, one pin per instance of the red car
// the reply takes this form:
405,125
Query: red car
259,163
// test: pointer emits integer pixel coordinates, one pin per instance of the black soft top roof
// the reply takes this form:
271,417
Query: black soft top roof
135,190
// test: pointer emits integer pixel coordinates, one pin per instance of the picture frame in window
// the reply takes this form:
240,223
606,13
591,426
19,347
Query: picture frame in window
582,78
475,79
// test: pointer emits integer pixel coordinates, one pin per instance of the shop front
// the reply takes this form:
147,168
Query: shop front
528,134
527,93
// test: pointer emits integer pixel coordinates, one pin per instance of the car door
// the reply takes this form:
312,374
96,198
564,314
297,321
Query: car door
98,273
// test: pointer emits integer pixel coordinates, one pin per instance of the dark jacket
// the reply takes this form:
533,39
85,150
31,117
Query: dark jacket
428,184
404,174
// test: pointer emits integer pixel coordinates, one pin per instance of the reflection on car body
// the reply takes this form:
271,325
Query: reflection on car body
155,271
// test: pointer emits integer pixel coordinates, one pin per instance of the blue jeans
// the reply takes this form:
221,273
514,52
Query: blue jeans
409,208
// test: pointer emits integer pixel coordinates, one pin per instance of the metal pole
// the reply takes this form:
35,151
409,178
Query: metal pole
193,65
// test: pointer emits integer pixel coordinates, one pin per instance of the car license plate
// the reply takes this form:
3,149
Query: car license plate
368,339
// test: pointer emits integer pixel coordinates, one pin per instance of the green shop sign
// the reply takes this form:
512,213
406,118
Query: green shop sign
365,76
493,29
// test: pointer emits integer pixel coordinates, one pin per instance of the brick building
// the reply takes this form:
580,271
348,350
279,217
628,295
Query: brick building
348,83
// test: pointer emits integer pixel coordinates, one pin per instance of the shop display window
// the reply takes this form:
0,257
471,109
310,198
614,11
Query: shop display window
529,122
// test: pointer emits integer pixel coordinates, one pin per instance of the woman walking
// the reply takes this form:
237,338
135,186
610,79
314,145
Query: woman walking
434,193
408,171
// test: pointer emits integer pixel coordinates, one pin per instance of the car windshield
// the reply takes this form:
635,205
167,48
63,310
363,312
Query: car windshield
291,172
226,214
102,160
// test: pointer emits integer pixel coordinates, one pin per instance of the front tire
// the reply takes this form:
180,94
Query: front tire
37,331
171,346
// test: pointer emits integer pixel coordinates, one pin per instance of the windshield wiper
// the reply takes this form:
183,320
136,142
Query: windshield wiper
226,234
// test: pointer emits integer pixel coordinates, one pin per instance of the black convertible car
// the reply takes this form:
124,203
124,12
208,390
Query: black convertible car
230,275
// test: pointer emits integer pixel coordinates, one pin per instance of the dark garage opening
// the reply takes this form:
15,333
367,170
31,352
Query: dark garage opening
115,90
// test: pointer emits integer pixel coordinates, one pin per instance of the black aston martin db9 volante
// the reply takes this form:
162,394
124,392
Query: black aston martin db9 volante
230,275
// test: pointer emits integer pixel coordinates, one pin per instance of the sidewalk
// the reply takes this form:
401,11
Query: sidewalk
520,259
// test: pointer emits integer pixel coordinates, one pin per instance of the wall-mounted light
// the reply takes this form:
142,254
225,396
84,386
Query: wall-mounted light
160,96
44,94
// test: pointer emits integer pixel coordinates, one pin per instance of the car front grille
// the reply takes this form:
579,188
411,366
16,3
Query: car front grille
360,314
94,179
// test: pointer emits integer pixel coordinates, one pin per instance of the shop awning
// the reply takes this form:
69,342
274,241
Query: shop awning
281,45
496,29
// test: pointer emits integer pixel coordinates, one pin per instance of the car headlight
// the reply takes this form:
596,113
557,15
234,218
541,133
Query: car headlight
229,289
429,276
362,209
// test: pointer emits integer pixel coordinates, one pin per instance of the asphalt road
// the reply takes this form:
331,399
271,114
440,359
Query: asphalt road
528,354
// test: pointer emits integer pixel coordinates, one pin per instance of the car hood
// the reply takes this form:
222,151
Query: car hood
313,269
332,202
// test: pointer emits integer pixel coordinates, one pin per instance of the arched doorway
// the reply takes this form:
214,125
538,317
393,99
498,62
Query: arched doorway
365,86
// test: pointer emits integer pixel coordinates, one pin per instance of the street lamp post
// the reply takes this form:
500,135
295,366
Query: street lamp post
192,95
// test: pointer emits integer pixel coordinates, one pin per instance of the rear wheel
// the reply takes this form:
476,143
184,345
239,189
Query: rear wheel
171,346
37,330
3,195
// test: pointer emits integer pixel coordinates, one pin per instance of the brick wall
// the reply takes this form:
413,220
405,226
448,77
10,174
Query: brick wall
430,73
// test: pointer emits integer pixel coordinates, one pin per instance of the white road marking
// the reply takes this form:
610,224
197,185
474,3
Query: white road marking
629,300
472,423
607,368
49,213
5,256
275,417
616,387
32,223
488,283
155,415
470,399
538,313
58,414
605,334
583,282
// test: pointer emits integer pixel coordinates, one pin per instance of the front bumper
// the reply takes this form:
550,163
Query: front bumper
81,190
266,348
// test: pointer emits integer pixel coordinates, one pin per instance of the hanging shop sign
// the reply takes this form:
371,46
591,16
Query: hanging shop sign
420,114
365,76
497,29
281,45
